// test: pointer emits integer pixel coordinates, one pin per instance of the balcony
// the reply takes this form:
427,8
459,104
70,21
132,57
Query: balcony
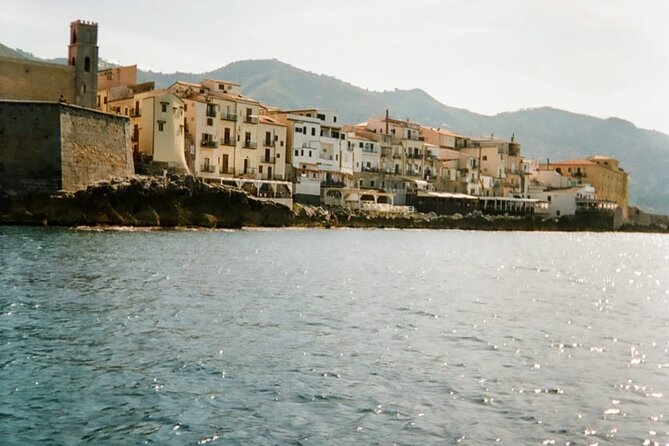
209,143
229,116
211,113
227,142
332,183
135,113
397,156
249,119
325,156
267,159
227,171
250,145
268,143
207,168
415,156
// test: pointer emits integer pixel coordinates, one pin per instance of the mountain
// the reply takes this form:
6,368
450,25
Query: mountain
543,132
16,54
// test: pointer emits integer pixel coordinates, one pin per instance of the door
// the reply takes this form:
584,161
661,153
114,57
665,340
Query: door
224,164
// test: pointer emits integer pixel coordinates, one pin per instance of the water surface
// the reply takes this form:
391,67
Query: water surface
333,337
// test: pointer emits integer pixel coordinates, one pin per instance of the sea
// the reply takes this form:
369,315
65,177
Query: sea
332,337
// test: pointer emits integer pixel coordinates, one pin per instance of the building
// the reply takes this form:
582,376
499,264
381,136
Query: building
52,137
318,152
602,172
75,83
225,135
156,116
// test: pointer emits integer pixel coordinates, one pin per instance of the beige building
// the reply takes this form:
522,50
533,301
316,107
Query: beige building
225,134
602,172
499,163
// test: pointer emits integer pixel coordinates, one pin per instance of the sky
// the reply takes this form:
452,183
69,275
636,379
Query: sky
606,58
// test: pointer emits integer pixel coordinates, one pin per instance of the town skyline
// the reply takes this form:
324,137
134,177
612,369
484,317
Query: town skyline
565,55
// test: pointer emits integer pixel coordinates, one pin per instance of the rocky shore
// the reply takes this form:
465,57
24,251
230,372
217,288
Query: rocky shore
184,201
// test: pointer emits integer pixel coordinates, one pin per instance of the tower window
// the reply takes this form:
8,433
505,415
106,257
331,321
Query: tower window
73,61
83,88
87,64
74,37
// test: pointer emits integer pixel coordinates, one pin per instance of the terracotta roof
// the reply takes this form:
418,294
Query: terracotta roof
264,119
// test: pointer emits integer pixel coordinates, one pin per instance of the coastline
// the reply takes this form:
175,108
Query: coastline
155,203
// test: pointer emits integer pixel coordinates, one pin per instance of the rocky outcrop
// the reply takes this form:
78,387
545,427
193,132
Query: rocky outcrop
145,201
184,201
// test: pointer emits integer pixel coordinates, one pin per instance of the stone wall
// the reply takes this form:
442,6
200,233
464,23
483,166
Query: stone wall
48,146
30,146
95,146
35,81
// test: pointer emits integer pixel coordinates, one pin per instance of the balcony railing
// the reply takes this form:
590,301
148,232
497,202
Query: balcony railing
251,119
397,155
211,113
267,159
227,142
268,143
227,171
250,145
325,156
415,156
207,168
210,143
229,116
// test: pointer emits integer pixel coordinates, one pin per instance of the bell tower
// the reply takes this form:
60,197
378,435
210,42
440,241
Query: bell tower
83,56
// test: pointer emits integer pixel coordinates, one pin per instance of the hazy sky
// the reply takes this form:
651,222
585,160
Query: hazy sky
599,57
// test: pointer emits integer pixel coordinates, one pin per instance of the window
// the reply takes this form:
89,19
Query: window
297,152
83,88
185,107
304,129
361,145
309,153
301,152
334,118
484,157
161,126
163,107
260,168
210,121
87,64
313,131
278,155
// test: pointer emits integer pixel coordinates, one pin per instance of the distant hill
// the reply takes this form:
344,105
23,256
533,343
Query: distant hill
17,54
543,132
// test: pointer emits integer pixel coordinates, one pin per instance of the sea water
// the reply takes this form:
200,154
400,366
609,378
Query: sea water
333,337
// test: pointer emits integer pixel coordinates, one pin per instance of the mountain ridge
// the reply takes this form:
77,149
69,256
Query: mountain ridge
544,132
